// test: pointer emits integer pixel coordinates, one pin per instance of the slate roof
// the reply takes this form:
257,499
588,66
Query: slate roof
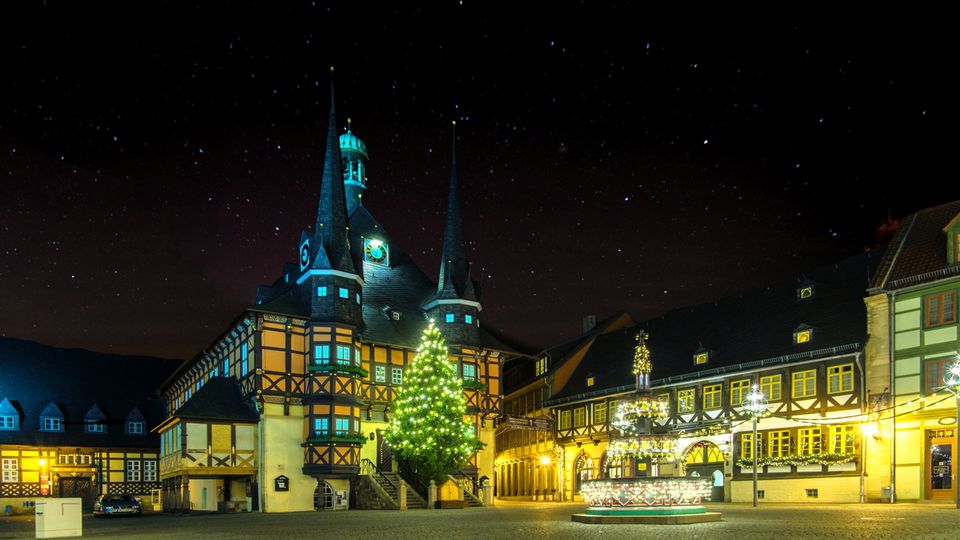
918,252
400,287
219,399
756,325
522,370
34,375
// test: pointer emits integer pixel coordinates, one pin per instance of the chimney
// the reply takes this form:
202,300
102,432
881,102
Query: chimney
589,322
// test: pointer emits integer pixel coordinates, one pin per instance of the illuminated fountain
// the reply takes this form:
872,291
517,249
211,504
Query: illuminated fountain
644,499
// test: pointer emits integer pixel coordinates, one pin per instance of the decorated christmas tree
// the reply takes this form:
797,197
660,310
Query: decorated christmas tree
428,432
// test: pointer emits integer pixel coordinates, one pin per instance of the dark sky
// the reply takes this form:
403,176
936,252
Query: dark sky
157,165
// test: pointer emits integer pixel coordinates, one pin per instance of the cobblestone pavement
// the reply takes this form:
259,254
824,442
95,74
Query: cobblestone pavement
528,521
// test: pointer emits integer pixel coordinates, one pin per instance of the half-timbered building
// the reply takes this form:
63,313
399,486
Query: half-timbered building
913,308
800,342
75,423
322,350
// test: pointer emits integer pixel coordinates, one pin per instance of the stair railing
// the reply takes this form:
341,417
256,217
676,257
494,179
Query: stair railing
370,468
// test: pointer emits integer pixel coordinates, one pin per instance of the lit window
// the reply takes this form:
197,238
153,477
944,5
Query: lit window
343,355
541,366
746,446
135,427
321,426
842,439
805,292
358,298
712,396
226,367
738,390
802,336
52,424
321,291
343,427
771,387
244,365
685,400
321,355
779,444
701,358
590,380
149,470
840,379
579,416
804,383
449,317
396,376
940,309
11,470
599,413
133,470
468,319
8,422
809,440
470,372
565,419
380,373
344,293
395,315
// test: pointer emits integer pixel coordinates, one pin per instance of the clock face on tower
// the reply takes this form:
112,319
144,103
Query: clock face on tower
304,254
376,251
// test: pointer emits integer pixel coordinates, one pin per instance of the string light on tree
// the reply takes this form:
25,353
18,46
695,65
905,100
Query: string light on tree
428,430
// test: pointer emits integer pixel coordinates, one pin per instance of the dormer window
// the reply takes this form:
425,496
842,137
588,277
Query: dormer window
541,366
395,315
96,427
9,416
135,427
468,319
591,380
51,418
803,334
701,356
806,290
952,230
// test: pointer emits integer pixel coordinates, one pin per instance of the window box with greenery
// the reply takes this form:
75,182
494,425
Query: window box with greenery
793,460
338,368
350,437
473,384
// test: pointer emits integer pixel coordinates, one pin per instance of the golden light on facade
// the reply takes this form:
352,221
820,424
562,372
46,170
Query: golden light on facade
545,460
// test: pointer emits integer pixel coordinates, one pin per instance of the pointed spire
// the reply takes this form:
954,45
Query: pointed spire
454,280
330,234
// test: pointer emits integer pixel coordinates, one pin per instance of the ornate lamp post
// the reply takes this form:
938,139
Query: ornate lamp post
951,378
755,403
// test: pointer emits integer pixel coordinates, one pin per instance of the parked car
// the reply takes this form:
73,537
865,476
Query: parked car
117,505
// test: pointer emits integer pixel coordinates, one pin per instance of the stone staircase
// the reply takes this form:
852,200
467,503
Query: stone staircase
472,500
414,500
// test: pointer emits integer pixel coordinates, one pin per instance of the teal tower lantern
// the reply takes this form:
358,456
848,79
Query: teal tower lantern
353,158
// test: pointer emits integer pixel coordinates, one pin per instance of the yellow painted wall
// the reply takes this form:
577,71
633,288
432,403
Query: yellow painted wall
283,455
196,494
793,490
487,456
369,448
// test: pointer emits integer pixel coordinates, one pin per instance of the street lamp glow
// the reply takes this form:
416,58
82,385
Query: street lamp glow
755,403
545,460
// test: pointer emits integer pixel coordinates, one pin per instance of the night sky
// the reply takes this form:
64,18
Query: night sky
157,165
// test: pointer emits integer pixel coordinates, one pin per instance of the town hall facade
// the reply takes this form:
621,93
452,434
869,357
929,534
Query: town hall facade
286,410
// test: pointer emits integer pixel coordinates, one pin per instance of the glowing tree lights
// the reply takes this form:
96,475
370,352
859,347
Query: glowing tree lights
428,431
755,404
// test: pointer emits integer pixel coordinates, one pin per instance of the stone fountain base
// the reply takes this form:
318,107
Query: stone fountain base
646,500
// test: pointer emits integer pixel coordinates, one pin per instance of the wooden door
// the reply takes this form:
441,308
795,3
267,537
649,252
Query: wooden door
940,467
384,454
79,487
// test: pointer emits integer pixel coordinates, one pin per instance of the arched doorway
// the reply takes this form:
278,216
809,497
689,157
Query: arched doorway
582,470
705,459
323,496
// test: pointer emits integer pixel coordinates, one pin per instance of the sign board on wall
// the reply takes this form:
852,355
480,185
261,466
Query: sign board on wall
281,483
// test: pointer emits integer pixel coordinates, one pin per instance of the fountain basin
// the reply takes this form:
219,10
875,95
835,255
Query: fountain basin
649,499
